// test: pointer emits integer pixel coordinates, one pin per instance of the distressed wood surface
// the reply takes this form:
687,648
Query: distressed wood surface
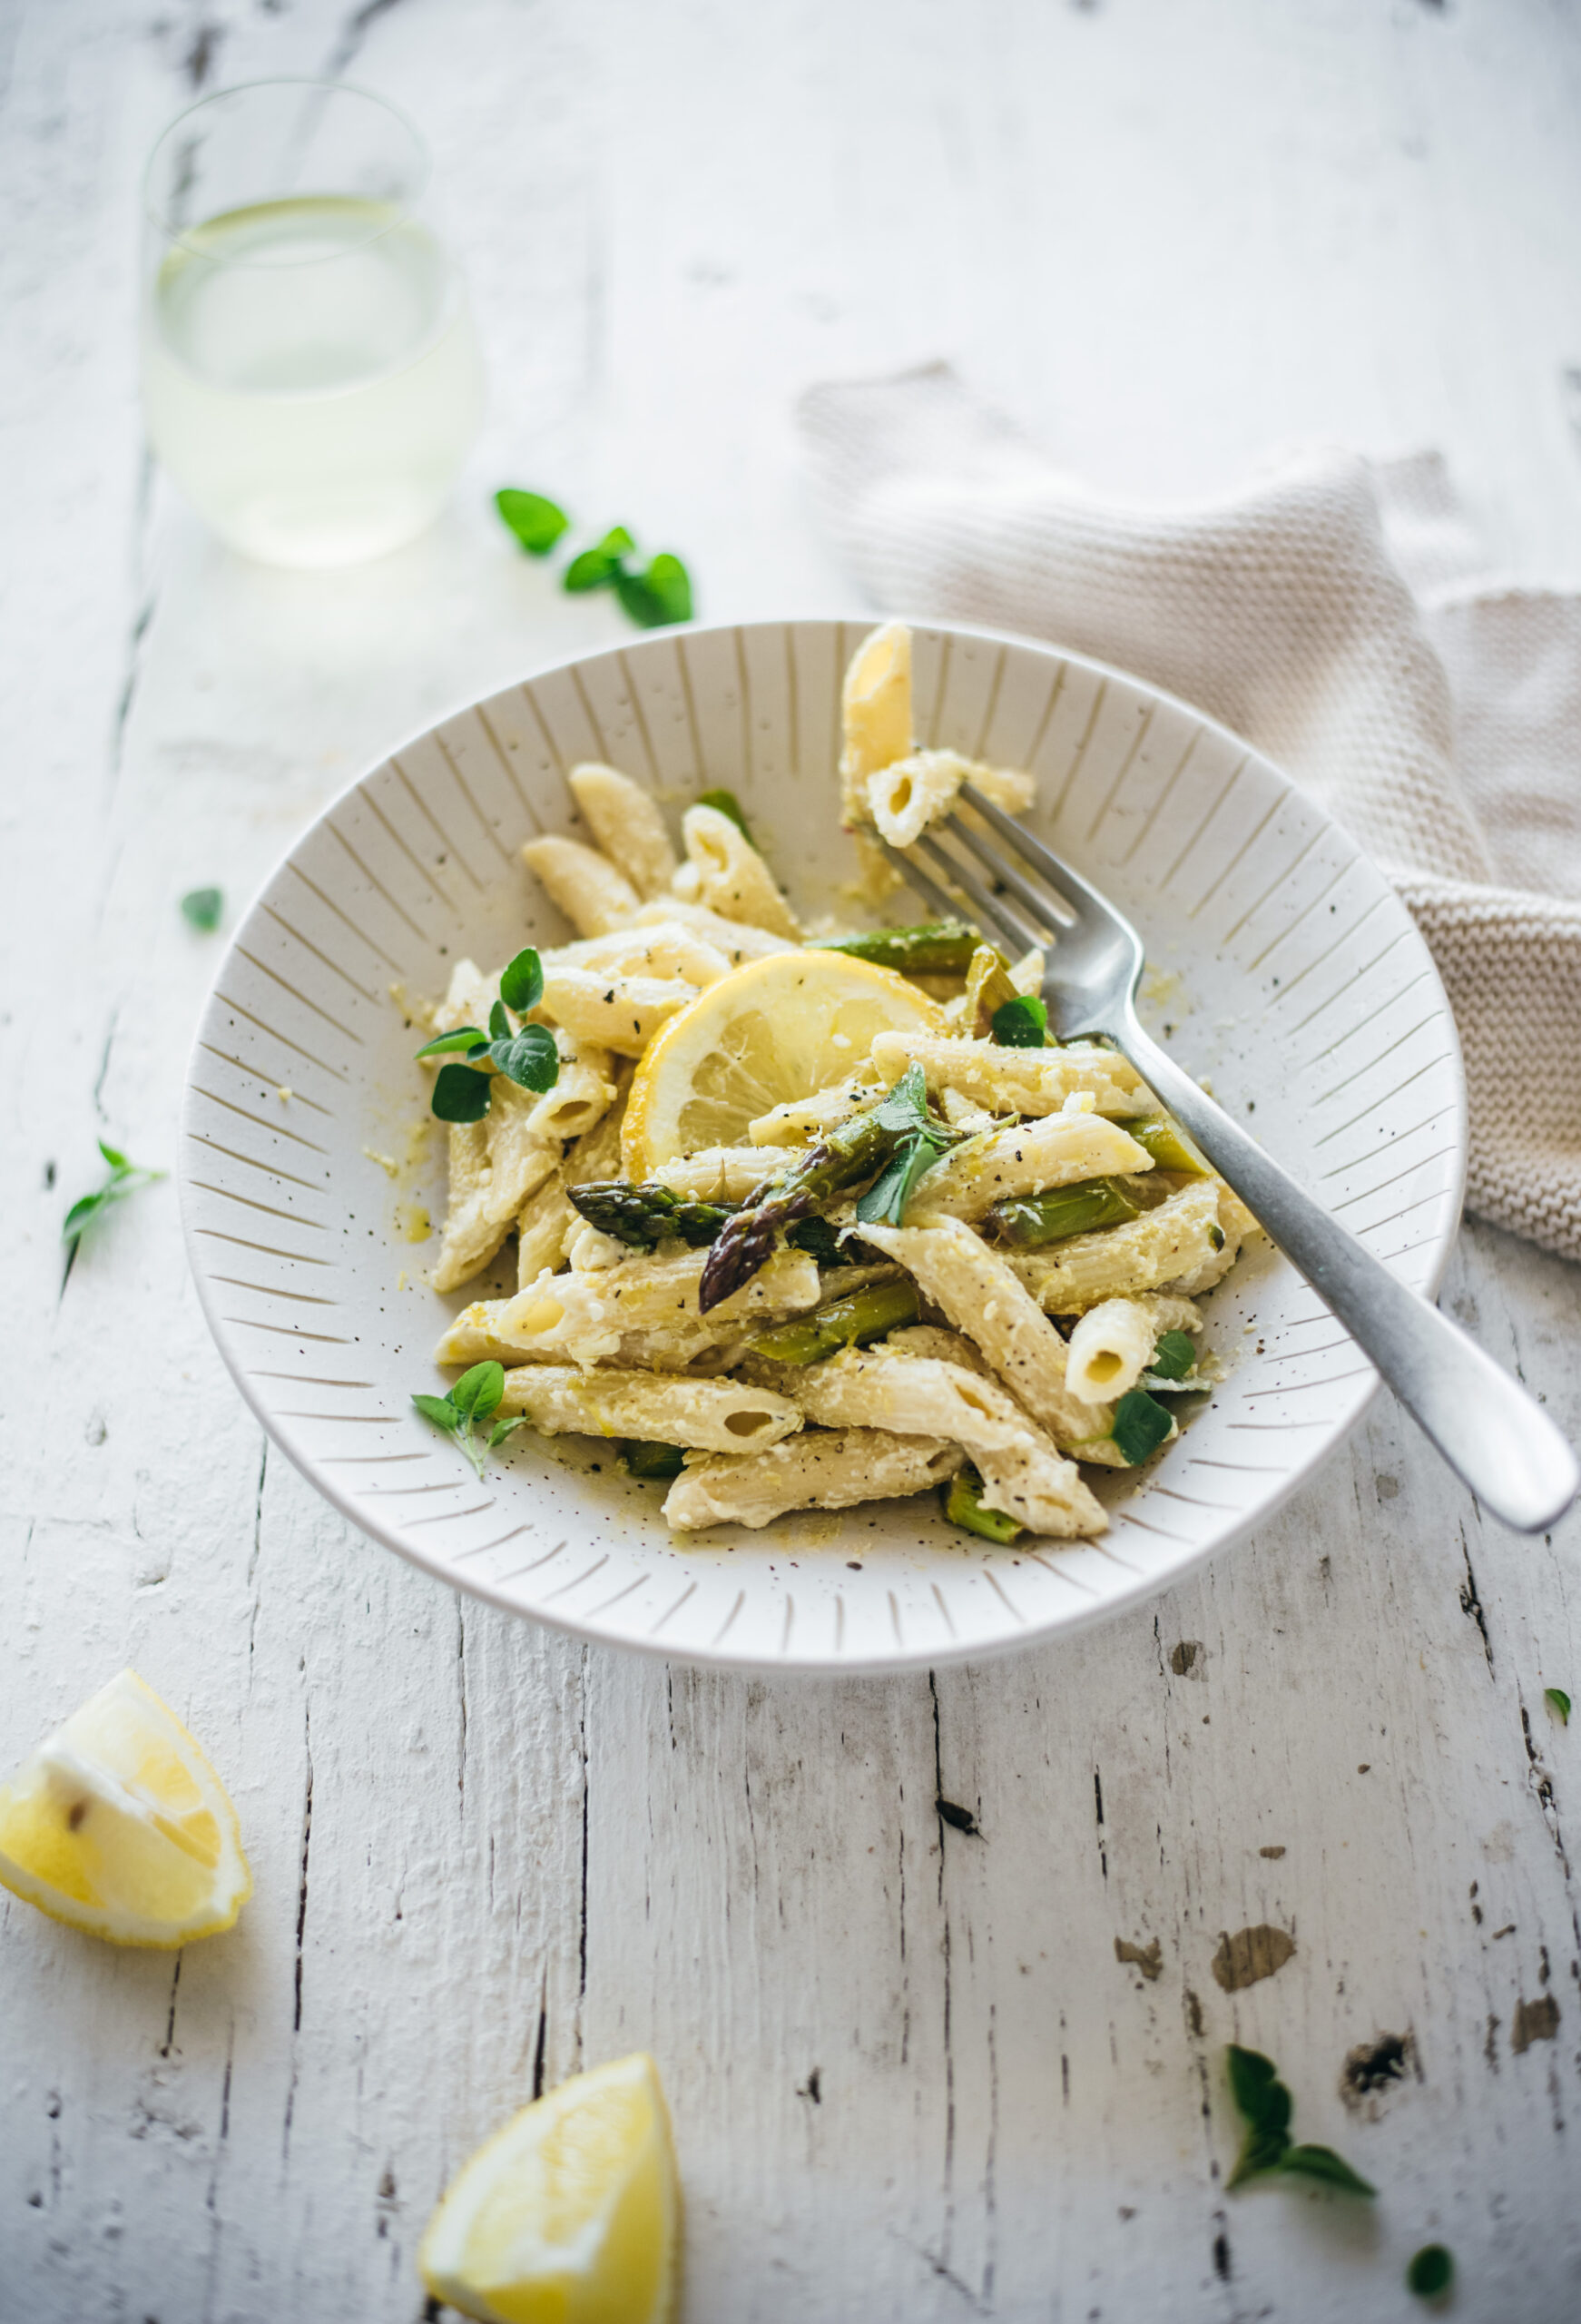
938,1970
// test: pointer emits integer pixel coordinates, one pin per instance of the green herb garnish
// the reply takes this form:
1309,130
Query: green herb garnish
124,1178
660,596
202,907
1141,1425
521,983
963,1506
657,1463
1265,2106
476,1397
460,1095
653,595
526,1055
1431,2271
1557,1699
1021,1023
536,523
597,568
725,802
904,1113
1175,1356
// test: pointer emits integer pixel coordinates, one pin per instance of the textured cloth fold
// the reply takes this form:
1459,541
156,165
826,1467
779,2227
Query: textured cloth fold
1336,613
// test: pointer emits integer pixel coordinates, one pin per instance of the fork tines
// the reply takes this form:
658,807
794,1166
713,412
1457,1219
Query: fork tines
1006,904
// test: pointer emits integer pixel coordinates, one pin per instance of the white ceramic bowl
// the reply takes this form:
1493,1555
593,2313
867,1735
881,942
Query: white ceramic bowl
1286,967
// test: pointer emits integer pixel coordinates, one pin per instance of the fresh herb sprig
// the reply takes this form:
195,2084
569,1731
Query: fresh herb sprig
1021,1023
524,1054
922,1140
474,1399
537,523
124,1178
1141,1425
1265,2106
201,908
1559,1700
659,595
1175,1356
653,595
1431,2271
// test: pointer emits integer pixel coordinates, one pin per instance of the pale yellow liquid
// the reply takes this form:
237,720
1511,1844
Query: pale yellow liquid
311,378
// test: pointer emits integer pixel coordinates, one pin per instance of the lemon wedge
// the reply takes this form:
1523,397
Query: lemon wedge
571,2215
770,1032
118,1825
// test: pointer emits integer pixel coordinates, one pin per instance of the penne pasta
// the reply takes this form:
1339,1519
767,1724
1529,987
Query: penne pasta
708,1416
593,895
668,948
819,1469
625,820
1171,1246
1060,1150
597,1155
723,1173
1111,1345
733,938
621,1012
910,793
957,1271
541,1230
584,1316
875,713
1014,1081
806,1120
725,874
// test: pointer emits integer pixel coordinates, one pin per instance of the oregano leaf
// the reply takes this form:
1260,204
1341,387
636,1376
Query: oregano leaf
466,1037
521,983
537,522
460,1094
529,1058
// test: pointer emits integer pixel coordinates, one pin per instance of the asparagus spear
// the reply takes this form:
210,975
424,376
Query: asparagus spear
988,987
936,948
963,1505
643,1216
851,1322
646,1460
848,1154
1027,1221
1168,1144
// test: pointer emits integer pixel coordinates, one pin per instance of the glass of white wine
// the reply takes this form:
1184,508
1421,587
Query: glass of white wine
311,377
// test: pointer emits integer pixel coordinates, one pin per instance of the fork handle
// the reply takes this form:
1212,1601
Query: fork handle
1490,1430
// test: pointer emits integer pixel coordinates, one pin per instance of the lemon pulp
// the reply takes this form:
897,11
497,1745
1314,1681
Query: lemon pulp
568,2215
770,1032
118,1826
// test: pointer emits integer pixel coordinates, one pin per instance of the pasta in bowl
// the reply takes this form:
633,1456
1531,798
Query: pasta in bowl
796,1297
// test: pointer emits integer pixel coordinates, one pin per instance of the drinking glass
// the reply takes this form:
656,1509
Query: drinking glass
311,377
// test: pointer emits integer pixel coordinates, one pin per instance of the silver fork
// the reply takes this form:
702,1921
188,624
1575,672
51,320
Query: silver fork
1486,1426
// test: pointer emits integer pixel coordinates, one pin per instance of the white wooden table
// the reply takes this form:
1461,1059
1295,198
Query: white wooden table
912,2076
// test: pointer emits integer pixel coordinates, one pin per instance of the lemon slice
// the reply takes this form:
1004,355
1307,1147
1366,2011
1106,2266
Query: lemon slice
570,2214
119,1825
772,1031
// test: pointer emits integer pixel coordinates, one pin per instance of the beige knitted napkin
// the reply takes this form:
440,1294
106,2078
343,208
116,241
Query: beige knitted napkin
1334,612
